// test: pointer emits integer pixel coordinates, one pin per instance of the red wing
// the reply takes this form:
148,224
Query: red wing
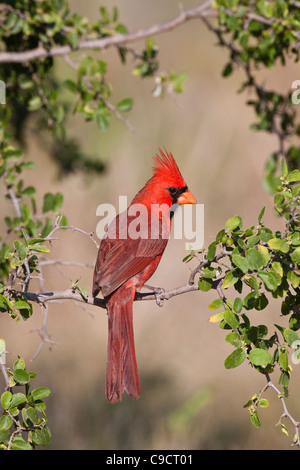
119,260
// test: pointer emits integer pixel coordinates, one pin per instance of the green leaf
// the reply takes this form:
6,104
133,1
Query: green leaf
254,259
188,258
15,263
252,241
277,268
125,104
27,165
73,39
18,443
290,336
283,164
6,398
241,263
252,333
83,291
39,393
36,240
17,399
20,248
284,429
19,364
40,406
248,403
209,272
293,278
261,214
52,202
235,358
255,419
234,339
233,223
294,176
21,376
70,85
25,213
5,422
259,357
42,436
204,284
25,308
5,304
295,256
238,305
263,403
121,28
279,245
29,192
233,23
4,439
231,319
230,279
211,252
30,414
294,322
228,69
39,248
35,103
261,302
103,117
283,359
217,317
219,236
215,304
271,279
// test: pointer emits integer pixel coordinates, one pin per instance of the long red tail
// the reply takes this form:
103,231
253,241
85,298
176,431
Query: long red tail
121,372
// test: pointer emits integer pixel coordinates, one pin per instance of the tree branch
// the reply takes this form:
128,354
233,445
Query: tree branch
73,294
103,43
286,413
69,294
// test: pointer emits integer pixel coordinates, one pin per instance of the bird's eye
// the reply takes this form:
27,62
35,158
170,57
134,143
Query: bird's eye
172,191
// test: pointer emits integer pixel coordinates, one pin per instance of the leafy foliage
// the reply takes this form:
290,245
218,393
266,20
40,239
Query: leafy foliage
31,86
262,265
258,35
19,259
23,424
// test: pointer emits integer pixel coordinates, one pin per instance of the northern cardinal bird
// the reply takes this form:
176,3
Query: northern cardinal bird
127,258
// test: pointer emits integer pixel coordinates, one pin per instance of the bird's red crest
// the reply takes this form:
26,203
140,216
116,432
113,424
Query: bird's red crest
165,167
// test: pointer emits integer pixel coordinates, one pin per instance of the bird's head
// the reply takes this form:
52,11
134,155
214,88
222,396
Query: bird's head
170,186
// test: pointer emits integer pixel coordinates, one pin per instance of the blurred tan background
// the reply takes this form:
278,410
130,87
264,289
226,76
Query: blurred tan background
188,399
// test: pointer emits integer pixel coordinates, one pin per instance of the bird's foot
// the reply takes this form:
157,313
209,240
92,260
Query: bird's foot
158,291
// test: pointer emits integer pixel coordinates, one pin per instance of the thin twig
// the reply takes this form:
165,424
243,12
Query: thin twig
15,201
103,43
286,413
4,369
74,229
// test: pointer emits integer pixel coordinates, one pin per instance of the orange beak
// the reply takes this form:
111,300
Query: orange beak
186,198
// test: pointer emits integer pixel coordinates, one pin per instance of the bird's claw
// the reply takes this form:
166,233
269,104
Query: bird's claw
157,292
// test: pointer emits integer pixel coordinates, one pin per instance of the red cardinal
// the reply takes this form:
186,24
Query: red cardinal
128,256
